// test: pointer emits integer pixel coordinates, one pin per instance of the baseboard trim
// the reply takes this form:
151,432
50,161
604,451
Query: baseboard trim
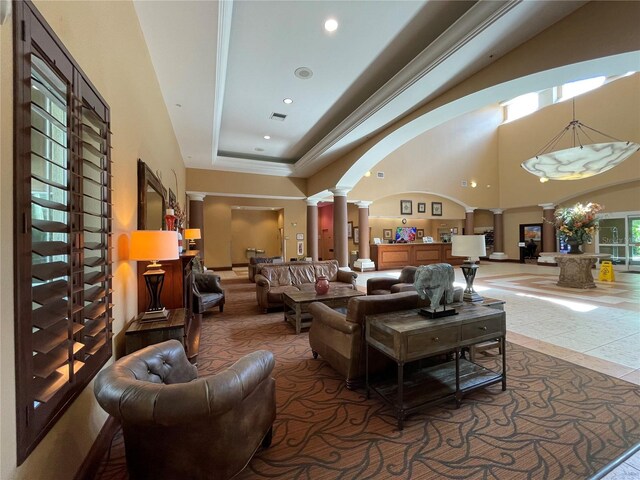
89,467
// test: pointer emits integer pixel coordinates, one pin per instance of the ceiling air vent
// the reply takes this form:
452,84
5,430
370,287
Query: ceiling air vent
380,174
278,116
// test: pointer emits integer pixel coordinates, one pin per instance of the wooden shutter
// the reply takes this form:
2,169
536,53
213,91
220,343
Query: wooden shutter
62,231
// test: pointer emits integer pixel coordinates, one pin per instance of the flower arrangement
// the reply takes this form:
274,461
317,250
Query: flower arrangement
579,222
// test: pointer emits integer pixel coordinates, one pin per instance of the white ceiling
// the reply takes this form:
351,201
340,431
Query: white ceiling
229,65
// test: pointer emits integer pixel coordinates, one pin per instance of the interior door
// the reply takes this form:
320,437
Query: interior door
327,244
531,239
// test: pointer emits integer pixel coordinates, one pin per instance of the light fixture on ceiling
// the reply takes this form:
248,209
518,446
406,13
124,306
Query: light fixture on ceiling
267,137
258,149
582,160
288,101
473,184
304,73
368,173
331,25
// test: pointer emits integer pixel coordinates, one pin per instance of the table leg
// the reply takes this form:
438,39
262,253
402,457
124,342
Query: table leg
400,395
458,392
366,369
298,318
503,343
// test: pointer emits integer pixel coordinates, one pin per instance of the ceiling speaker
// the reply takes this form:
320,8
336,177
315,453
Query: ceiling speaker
303,73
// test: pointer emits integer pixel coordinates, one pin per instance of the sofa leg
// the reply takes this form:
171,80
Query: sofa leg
266,441
352,384
221,308
315,354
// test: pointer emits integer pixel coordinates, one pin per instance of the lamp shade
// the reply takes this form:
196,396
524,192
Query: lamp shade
192,234
468,246
153,245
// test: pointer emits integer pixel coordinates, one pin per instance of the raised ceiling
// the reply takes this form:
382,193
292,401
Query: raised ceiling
225,67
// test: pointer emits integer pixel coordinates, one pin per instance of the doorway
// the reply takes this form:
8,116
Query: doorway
326,248
619,236
530,242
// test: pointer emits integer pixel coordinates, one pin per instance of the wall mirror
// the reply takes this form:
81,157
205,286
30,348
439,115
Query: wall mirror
151,199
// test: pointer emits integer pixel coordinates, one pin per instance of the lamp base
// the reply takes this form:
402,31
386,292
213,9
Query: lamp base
472,297
469,270
430,313
155,315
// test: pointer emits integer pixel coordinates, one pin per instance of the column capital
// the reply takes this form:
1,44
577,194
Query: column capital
547,206
497,211
363,204
340,191
469,209
196,197
311,202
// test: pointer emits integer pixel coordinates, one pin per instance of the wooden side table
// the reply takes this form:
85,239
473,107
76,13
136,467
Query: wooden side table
178,325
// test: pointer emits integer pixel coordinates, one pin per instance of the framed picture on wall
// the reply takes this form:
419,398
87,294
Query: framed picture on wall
454,230
420,233
387,233
300,249
299,236
406,207
349,229
436,209
356,235
422,207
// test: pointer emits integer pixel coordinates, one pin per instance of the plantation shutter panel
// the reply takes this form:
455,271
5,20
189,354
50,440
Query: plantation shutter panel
63,229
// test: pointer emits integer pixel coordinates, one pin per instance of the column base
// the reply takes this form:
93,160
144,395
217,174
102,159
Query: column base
364,264
498,256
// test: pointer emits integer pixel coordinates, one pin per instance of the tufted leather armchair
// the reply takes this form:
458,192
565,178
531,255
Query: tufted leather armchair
178,426
207,292
386,285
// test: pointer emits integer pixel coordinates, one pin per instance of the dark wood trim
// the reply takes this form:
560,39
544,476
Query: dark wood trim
101,445
147,178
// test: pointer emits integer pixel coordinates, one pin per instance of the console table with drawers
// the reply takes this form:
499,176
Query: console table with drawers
406,336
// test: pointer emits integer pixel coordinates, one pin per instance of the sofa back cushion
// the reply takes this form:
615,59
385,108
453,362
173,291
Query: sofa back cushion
359,307
278,275
407,275
328,268
301,273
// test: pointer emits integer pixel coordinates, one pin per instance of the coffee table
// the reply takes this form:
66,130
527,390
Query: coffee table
296,304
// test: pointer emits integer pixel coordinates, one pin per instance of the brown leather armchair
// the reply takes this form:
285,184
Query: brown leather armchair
385,285
178,426
207,292
339,338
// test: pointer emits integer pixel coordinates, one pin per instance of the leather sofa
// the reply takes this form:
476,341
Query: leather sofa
276,279
178,426
339,338
207,292
255,263
386,285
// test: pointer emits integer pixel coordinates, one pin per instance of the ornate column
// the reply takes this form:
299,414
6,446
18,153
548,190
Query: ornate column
340,240
312,229
498,235
364,262
196,219
548,233
468,220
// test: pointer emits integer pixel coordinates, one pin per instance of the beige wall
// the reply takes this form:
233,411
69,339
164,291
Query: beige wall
613,109
218,182
254,229
106,41
437,161
219,228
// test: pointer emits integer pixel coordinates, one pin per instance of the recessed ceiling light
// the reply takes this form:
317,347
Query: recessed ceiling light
474,184
267,137
331,25
288,101
368,174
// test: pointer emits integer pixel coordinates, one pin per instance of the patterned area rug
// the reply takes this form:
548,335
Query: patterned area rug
555,421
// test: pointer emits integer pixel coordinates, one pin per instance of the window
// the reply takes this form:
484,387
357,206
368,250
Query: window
521,106
573,89
62,228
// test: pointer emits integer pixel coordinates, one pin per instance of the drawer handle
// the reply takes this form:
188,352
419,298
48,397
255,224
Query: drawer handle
435,339
483,328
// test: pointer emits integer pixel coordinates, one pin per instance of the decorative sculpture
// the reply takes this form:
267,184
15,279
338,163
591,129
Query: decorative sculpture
434,282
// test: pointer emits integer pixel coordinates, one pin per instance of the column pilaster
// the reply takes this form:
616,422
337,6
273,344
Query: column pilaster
312,229
548,233
340,240
364,261
498,235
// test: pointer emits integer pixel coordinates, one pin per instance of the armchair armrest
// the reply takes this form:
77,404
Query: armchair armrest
207,283
347,276
380,283
332,319
262,281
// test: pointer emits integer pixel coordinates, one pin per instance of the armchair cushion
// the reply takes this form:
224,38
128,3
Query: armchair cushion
178,426
207,292
386,285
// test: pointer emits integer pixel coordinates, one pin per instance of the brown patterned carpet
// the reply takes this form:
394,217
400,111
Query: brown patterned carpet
555,421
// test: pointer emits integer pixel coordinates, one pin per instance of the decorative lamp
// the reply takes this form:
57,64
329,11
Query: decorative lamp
581,160
470,246
153,246
192,234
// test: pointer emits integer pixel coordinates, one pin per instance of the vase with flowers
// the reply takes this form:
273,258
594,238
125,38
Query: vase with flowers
577,225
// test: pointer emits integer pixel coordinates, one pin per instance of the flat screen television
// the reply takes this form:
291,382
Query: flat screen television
405,234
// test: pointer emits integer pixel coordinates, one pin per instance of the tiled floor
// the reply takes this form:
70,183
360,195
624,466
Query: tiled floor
595,328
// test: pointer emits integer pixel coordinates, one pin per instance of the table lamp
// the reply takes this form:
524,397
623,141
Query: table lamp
469,246
153,246
192,234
